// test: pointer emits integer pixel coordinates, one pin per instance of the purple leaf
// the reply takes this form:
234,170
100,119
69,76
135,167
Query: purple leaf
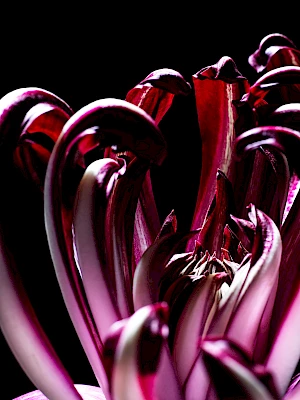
146,223
275,50
149,270
125,126
269,193
289,266
155,93
216,88
287,115
110,345
293,389
243,230
86,391
285,352
233,374
41,127
286,79
89,237
173,270
194,321
284,318
211,235
22,112
139,371
279,138
169,225
120,217
250,295
26,337
293,191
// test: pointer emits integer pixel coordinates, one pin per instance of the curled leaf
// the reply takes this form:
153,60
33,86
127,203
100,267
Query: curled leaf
216,88
149,270
138,355
233,374
272,47
106,122
280,138
89,235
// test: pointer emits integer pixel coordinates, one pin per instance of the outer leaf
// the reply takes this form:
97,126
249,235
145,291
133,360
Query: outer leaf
192,323
289,267
275,50
276,78
105,122
285,352
293,191
279,138
41,127
232,375
26,337
87,392
110,347
287,115
284,322
19,323
138,358
89,234
254,292
120,219
269,193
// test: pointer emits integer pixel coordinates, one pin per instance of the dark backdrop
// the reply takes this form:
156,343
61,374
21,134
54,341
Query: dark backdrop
88,53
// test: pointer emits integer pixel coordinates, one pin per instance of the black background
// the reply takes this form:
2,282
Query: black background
84,53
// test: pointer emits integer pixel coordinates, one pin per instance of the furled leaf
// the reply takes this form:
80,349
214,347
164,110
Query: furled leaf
155,95
216,88
274,50
284,319
211,234
105,122
149,270
40,129
287,115
250,295
285,352
233,374
173,270
137,372
269,193
279,138
90,207
278,78
23,112
193,321
120,217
